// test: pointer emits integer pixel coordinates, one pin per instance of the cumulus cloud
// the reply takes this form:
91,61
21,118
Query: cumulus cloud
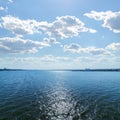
76,48
67,26
111,19
10,1
97,51
18,45
3,8
50,40
113,46
62,27
21,27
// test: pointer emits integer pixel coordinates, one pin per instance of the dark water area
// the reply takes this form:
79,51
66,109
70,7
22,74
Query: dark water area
59,95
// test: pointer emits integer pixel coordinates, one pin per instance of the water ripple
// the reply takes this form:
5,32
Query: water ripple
45,95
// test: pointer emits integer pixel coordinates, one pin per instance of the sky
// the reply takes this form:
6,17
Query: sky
59,34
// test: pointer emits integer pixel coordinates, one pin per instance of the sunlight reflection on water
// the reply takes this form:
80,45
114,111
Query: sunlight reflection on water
58,95
60,102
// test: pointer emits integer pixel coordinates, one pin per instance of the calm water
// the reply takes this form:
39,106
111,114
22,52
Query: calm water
59,95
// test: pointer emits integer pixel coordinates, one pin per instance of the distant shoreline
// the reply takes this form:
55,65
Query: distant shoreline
74,70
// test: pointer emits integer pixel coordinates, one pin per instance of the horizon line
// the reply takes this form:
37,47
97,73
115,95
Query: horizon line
85,69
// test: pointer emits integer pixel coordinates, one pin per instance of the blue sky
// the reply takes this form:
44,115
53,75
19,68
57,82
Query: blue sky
63,34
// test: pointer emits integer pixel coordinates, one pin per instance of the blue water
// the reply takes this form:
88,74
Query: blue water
59,95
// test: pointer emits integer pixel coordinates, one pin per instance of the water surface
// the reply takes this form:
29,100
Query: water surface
59,95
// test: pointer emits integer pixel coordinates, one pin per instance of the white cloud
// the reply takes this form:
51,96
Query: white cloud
51,58
111,19
97,61
48,58
50,40
39,62
10,1
66,27
42,59
84,59
113,46
62,27
18,45
76,48
97,51
3,48
19,27
3,8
